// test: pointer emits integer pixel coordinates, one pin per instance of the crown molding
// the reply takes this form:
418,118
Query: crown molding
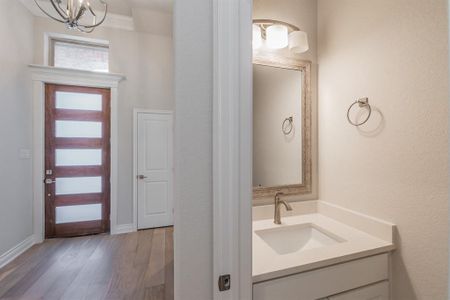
57,75
112,20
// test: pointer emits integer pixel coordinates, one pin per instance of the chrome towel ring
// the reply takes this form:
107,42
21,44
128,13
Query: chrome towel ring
288,125
363,103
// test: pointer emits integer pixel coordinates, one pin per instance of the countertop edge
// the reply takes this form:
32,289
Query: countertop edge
322,264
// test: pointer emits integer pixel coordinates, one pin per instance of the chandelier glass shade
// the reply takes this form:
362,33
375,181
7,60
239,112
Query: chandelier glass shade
76,14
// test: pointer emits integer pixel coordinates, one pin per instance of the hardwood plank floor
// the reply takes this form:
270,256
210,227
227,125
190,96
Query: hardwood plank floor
128,266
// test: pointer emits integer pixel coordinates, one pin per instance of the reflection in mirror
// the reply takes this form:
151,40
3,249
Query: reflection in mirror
277,137
281,127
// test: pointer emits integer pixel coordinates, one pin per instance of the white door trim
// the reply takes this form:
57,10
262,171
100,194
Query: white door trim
40,76
232,147
136,111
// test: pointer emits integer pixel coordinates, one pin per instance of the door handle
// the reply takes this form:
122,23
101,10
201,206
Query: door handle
49,181
141,177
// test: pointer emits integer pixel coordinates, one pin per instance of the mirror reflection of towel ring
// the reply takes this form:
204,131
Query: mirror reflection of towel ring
363,102
288,125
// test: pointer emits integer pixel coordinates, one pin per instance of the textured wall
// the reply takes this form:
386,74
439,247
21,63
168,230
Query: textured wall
395,168
16,52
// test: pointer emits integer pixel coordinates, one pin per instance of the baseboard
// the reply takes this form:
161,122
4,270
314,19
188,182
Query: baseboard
17,250
123,228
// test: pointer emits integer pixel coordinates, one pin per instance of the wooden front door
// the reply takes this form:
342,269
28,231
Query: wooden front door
77,160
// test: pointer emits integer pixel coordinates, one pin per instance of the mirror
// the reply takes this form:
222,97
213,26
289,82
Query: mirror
281,127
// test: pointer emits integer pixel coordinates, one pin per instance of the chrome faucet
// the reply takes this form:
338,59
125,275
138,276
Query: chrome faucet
278,202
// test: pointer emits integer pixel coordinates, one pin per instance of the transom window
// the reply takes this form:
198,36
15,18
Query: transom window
80,55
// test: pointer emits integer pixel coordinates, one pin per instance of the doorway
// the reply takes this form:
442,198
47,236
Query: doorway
153,144
77,160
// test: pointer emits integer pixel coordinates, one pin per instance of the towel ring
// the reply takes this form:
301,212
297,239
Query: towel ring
287,129
363,102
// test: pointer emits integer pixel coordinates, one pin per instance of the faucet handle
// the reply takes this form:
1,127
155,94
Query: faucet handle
278,194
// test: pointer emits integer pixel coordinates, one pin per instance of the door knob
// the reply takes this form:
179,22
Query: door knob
141,177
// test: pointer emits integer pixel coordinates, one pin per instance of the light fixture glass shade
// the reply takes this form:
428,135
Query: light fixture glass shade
277,36
257,38
298,42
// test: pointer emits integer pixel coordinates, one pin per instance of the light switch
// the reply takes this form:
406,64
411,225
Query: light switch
24,153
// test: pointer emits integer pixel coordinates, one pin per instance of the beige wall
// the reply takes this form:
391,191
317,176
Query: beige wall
147,62
277,158
395,53
16,52
301,13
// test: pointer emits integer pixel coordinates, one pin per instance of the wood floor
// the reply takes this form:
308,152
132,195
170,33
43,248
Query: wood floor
127,266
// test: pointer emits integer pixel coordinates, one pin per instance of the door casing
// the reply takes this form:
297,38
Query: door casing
232,147
41,75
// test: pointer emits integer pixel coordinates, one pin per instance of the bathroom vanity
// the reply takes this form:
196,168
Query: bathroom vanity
320,251
315,250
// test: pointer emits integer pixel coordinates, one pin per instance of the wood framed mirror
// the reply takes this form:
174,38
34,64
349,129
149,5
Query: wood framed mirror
282,127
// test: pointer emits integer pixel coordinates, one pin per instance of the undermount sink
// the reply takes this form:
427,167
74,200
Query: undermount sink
295,238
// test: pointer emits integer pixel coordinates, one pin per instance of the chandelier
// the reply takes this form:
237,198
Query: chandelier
76,14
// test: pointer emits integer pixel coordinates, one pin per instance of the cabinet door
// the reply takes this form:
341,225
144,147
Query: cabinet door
379,291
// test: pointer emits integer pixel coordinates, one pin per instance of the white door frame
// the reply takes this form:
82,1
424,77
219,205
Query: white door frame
40,76
136,111
232,147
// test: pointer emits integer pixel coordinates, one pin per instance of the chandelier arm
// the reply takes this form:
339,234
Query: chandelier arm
80,13
92,11
62,9
47,14
102,20
58,9
83,29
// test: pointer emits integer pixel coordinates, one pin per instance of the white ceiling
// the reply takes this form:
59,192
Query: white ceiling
156,5
152,16
125,7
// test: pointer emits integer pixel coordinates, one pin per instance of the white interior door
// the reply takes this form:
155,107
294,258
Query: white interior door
154,169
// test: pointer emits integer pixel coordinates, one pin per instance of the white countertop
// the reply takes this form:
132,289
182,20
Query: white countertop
360,236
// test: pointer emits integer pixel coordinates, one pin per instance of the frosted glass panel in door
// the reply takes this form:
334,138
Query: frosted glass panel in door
78,185
78,213
78,129
79,101
78,157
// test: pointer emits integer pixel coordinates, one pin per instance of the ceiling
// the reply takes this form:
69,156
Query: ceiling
156,5
125,7
152,16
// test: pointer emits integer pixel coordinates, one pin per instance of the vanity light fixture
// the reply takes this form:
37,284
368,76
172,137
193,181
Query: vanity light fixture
279,35
76,14
257,38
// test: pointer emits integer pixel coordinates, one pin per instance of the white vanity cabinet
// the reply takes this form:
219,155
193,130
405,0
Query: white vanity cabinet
378,291
360,279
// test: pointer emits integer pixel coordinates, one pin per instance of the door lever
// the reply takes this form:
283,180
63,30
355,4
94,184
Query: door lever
49,181
141,177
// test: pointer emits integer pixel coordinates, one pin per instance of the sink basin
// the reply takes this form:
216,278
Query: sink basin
295,238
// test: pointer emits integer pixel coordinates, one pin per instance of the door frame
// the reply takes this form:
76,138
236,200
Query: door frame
136,112
40,76
232,147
